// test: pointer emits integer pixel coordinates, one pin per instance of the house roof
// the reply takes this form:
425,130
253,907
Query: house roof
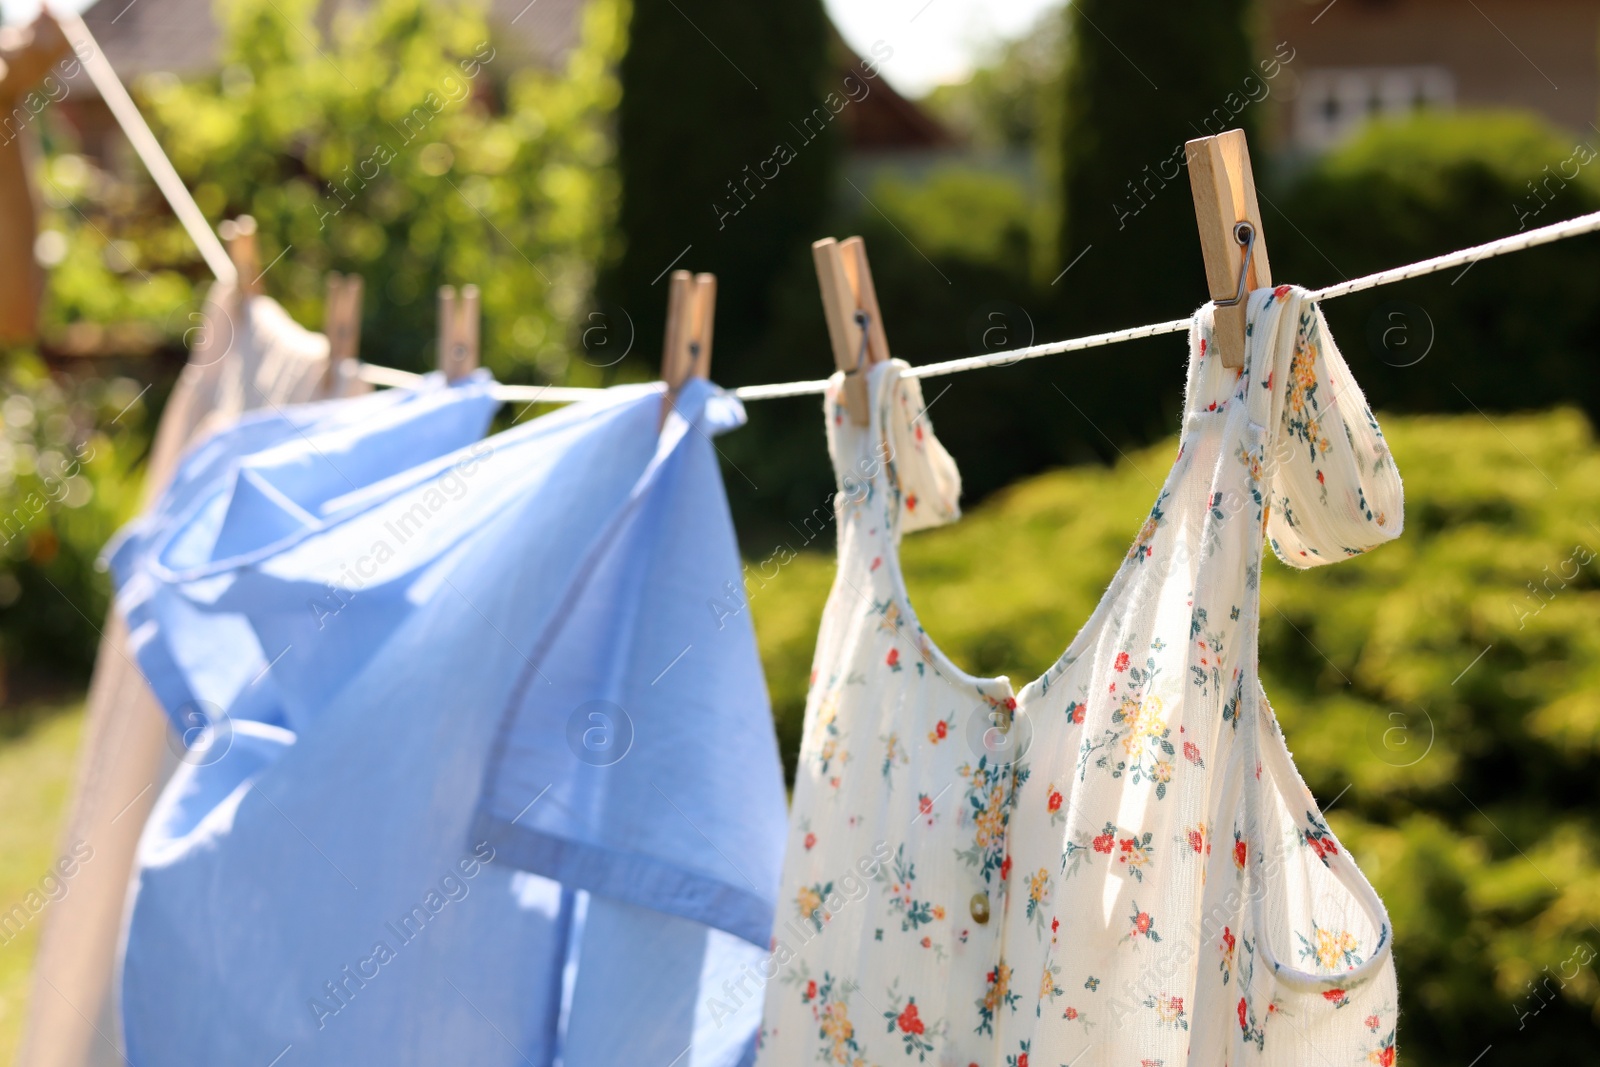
883,120
182,36
138,38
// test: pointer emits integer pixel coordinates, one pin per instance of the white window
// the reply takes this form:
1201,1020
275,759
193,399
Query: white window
1335,102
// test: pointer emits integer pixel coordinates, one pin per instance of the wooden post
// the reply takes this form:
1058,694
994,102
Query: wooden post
25,59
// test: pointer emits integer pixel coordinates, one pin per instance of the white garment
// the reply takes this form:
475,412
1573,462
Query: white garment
236,363
248,356
980,876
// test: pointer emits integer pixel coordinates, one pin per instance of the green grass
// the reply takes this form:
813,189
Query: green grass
37,767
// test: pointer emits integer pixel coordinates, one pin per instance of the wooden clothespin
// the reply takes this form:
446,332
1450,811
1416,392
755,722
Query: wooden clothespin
691,313
855,325
240,235
686,351
341,322
1231,238
458,331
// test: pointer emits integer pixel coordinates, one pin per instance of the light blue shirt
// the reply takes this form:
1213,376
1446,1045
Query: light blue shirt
524,803
266,479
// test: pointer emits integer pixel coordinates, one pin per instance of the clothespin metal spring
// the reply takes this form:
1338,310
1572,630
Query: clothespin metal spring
1245,234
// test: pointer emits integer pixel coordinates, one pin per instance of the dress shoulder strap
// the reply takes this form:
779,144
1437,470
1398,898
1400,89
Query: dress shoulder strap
1333,490
895,461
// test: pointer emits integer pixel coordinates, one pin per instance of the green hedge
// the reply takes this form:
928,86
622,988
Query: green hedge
1513,333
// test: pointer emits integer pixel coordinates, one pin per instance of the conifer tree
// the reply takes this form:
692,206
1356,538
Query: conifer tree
725,155
1141,79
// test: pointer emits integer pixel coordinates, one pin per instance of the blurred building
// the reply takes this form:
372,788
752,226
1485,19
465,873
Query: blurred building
1357,59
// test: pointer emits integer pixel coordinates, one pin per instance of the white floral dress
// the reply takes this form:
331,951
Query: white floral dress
1118,864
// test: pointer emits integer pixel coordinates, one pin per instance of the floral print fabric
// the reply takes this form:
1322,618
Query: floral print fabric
1118,864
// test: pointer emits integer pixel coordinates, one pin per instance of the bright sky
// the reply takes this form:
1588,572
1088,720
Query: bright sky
934,41
24,10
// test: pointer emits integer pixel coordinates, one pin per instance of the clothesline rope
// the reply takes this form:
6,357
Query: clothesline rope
144,142
376,374
1464,258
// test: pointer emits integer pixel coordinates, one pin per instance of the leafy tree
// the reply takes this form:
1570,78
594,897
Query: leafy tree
120,274
403,147
66,447
1012,100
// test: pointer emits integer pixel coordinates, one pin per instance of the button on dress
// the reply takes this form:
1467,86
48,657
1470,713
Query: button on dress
1117,864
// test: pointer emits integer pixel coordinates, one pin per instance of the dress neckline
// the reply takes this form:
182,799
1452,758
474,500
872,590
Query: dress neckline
880,383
